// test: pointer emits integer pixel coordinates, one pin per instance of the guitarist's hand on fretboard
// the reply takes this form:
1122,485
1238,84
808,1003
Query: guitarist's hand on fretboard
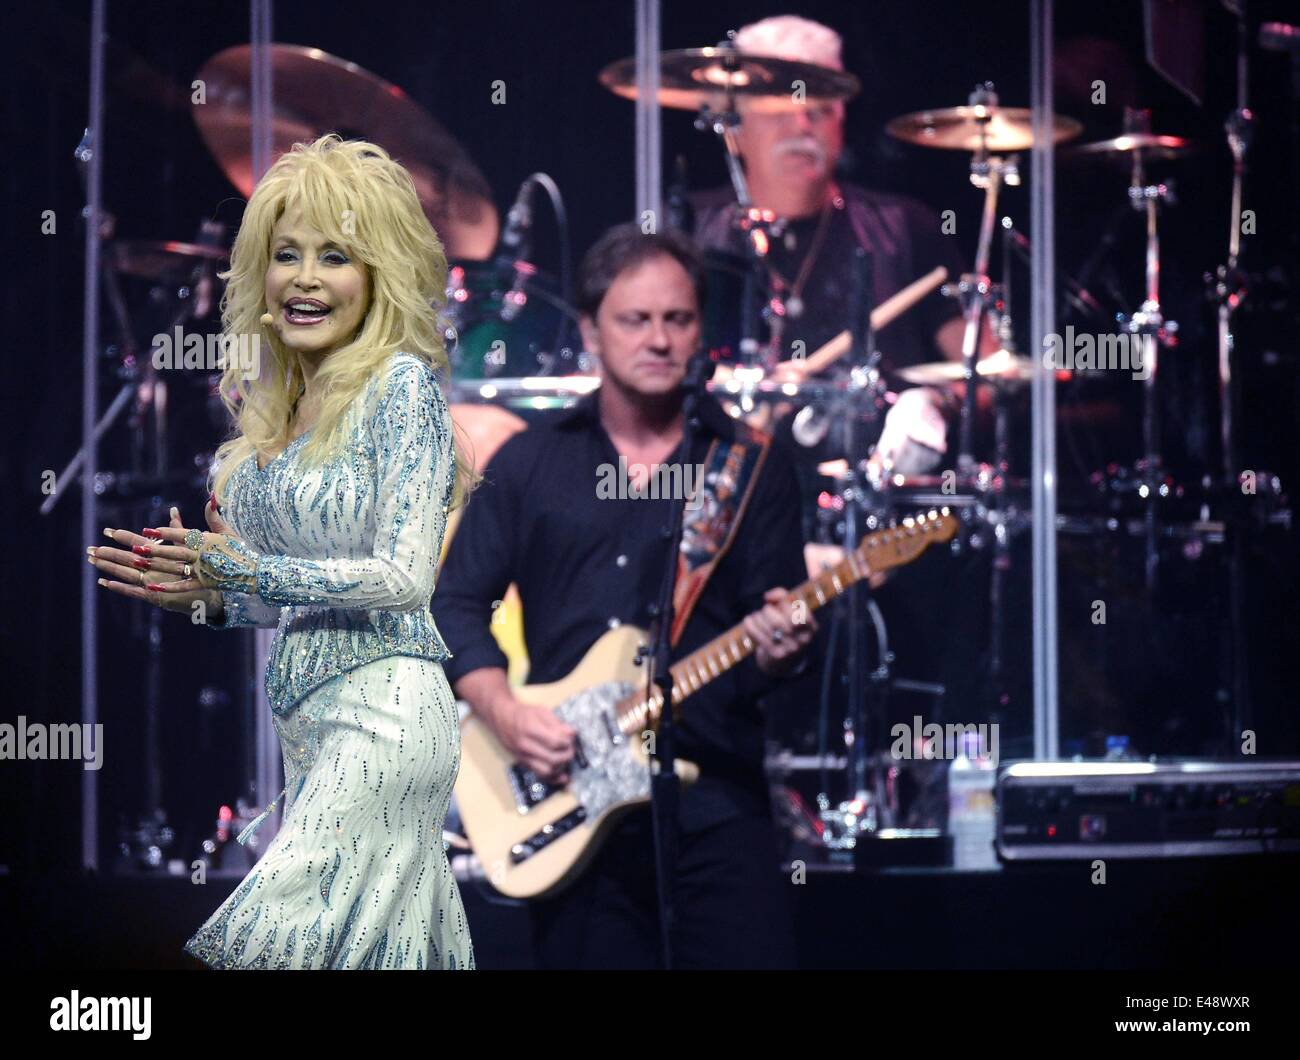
781,629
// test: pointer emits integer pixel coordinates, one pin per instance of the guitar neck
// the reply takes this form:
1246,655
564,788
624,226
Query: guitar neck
877,553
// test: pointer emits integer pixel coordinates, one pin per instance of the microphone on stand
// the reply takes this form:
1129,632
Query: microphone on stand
514,246
699,370
515,242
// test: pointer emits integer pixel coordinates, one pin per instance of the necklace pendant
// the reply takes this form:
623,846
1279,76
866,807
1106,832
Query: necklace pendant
794,307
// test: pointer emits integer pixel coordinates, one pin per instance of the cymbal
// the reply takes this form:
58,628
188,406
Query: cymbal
1001,366
160,260
317,93
962,128
692,77
1120,148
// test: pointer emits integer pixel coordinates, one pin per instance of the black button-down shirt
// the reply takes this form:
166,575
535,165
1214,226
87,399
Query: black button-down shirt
585,563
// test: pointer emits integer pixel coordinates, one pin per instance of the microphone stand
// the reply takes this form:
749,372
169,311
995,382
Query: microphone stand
664,784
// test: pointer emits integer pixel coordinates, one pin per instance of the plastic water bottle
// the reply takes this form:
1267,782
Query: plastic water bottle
971,821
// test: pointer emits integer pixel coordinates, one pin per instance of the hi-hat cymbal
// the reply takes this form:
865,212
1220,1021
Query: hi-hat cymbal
1001,367
997,129
316,93
1121,148
692,77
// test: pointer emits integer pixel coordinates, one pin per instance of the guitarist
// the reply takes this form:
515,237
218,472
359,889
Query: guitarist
585,562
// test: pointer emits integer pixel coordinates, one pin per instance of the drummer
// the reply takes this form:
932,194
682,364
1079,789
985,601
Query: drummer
790,155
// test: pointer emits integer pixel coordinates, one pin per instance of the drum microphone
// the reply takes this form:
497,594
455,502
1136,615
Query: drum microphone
513,249
514,243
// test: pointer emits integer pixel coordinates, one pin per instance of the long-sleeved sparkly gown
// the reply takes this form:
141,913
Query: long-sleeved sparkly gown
357,876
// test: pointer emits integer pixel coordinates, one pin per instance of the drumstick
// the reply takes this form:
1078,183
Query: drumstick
886,313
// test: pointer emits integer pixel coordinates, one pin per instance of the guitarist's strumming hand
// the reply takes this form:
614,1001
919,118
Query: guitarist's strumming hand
537,738
781,629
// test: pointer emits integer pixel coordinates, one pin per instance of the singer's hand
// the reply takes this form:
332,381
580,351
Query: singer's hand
139,561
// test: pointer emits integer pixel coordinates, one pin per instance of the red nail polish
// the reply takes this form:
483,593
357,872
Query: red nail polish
140,564
150,532
212,501
154,587
142,550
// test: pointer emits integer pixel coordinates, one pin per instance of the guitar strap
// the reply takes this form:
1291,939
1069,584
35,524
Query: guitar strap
712,516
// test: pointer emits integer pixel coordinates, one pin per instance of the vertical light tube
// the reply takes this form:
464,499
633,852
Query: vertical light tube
649,167
1042,270
90,531
267,782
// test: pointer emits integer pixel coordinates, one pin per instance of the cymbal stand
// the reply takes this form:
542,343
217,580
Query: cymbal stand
975,290
1229,290
144,844
1149,323
858,816
759,227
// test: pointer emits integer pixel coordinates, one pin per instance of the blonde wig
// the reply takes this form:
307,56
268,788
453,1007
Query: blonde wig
365,203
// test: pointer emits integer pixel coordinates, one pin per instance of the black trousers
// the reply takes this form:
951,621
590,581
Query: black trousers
732,905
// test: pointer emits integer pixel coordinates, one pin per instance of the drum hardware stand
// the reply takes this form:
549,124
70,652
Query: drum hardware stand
1229,289
975,289
1149,323
1000,516
144,844
857,816
759,227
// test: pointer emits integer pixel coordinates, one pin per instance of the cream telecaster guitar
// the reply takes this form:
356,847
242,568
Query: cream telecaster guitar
533,838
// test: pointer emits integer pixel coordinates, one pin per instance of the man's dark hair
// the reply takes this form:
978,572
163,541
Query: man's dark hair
626,246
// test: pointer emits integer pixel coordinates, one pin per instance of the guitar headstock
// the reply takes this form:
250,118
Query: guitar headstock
903,541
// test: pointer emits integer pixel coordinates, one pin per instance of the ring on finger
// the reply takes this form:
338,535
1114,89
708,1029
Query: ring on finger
187,570
142,578
777,636
194,540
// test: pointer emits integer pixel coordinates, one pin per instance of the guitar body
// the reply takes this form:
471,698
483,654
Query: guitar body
532,838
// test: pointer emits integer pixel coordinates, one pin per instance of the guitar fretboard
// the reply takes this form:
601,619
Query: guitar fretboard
878,552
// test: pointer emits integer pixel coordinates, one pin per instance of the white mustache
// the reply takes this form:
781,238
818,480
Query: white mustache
803,146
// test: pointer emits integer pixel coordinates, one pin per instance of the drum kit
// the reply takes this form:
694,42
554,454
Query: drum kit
513,348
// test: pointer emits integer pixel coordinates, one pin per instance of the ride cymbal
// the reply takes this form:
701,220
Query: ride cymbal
996,129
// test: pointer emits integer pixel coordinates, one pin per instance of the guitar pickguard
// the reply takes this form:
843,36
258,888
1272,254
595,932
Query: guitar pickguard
613,773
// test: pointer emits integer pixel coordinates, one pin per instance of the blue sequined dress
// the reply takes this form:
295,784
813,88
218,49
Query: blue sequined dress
346,551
